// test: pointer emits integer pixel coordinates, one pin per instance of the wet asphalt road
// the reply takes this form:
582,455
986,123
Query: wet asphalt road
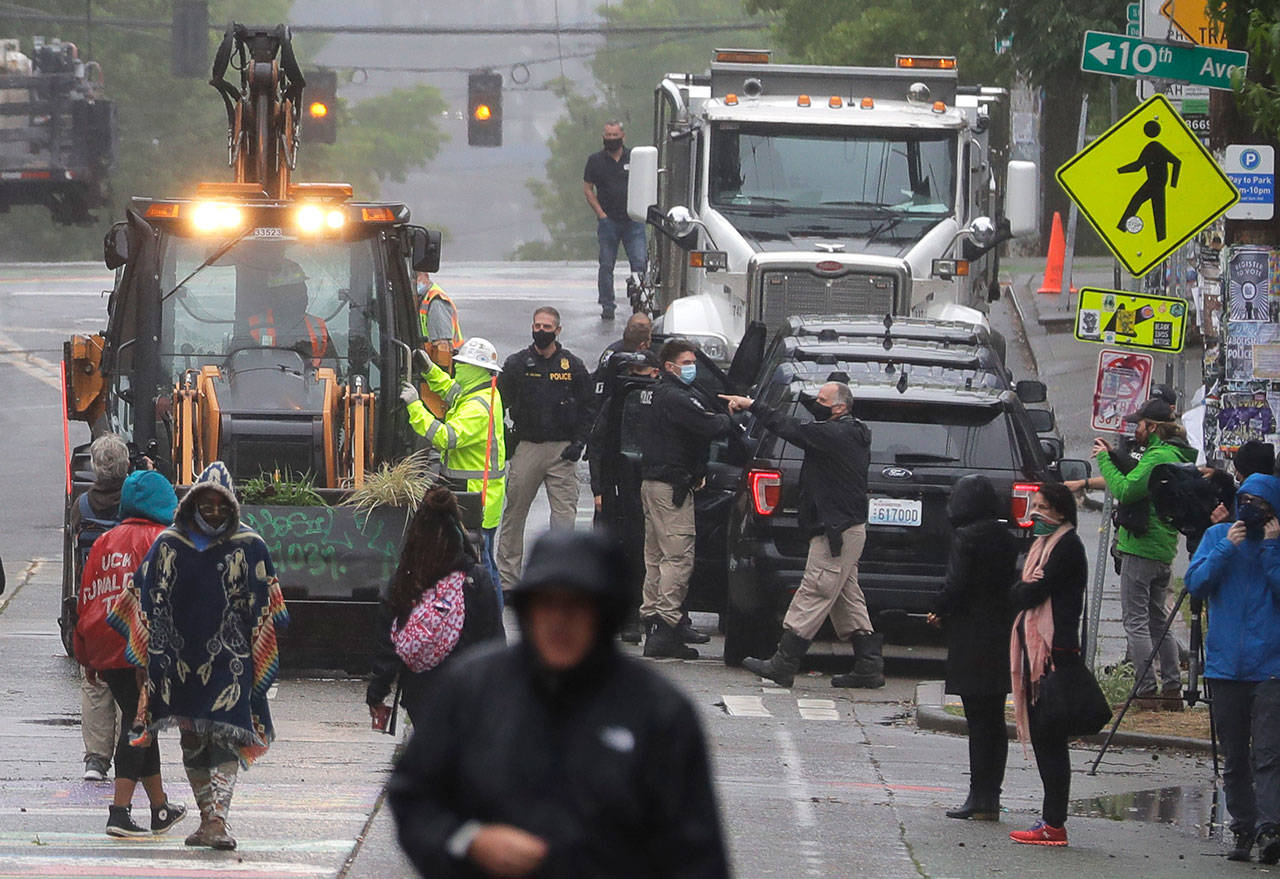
812,781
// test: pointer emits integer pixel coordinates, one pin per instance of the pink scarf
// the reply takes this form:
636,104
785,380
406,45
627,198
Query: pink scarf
1035,627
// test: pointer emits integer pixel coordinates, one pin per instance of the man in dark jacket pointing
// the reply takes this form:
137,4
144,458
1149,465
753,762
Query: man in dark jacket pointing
833,513
559,756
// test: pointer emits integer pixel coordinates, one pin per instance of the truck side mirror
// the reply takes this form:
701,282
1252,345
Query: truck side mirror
1031,391
424,249
1042,420
1071,469
1020,198
115,245
642,182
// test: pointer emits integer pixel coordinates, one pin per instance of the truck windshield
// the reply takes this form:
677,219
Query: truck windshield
319,298
856,171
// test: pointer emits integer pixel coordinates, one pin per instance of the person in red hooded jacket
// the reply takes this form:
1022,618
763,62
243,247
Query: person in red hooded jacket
147,504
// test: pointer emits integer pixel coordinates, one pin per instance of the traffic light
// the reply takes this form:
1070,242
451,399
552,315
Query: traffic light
320,107
484,109
191,38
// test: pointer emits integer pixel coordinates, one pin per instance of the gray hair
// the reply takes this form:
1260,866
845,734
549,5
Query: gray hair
109,457
613,122
844,394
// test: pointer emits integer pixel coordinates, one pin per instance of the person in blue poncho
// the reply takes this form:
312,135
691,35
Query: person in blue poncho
205,630
1236,571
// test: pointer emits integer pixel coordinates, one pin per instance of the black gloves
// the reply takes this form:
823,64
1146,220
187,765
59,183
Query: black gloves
572,452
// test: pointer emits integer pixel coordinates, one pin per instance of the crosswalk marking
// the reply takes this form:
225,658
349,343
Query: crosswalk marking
818,709
745,706
738,705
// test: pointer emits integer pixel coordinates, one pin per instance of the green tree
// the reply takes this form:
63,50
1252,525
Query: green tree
172,131
871,32
1254,115
1045,41
626,69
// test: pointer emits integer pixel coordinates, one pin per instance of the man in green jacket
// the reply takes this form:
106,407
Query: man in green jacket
470,436
1147,548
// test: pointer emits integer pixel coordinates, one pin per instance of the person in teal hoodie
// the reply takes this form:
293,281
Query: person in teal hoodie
1236,569
1146,546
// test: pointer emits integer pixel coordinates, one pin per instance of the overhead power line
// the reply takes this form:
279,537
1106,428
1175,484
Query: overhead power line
478,30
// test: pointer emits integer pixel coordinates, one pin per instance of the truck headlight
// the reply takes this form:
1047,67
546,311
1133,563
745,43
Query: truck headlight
714,346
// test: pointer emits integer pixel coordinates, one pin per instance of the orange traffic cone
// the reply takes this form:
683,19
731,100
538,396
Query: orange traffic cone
1057,254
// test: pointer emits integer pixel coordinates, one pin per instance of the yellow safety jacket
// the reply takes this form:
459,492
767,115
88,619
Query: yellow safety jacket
435,292
463,435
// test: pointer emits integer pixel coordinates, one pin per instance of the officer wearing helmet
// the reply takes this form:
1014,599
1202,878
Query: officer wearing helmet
559,756
285,323
470,436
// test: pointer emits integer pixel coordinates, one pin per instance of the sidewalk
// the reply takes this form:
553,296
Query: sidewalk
932,714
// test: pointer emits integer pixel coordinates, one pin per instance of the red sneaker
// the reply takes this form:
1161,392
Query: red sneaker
1041,834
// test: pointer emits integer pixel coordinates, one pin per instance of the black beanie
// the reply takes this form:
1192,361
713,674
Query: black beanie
1254,457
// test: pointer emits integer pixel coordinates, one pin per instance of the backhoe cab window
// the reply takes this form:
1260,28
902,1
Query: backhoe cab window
864,172
316,298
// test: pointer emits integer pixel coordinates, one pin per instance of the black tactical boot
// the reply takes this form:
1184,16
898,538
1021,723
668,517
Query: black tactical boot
780,668
868,663
633,629
662,641
688,634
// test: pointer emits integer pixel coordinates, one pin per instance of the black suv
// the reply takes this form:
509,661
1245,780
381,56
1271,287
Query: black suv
940,404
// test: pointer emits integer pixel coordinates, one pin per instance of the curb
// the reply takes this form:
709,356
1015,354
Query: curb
1022,326
931,716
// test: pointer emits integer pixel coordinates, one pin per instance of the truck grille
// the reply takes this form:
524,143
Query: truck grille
789,292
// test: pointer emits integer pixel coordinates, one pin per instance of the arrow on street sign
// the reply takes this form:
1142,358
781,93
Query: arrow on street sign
1118,55
1103,52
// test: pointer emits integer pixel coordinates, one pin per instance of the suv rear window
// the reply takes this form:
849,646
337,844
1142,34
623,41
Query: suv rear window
967,436
977,437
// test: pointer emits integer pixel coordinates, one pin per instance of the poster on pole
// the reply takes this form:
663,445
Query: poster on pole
1249,285
1244,416
1123,385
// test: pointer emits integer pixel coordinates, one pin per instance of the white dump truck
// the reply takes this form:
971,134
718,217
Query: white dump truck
777,190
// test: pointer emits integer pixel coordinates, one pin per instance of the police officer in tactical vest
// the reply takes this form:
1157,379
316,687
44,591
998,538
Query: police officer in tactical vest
548,394
675,448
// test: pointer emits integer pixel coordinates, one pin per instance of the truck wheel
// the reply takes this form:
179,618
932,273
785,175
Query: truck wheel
747,634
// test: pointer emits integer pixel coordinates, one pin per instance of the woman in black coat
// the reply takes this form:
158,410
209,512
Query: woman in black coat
1048,596
434,548
974,612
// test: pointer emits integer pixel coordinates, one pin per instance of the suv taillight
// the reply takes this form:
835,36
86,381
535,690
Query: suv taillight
766,490
1021,507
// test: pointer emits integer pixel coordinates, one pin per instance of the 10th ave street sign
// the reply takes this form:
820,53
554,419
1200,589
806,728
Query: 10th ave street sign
1118,55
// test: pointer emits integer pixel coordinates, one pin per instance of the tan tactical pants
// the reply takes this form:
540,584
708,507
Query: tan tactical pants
532,466
668,551
830,588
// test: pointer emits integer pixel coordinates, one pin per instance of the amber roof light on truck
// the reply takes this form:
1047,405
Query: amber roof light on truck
743,56
925,62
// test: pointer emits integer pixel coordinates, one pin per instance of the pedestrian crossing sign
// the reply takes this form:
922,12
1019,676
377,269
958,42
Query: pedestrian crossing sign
1147,185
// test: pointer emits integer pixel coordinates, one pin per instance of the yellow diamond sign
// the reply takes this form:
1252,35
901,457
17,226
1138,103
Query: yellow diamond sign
1147,185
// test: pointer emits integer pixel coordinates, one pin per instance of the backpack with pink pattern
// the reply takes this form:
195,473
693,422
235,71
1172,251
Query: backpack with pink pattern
434,625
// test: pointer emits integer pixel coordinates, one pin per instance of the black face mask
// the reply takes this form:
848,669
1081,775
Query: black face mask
1254,518
543,338
816,409
612,144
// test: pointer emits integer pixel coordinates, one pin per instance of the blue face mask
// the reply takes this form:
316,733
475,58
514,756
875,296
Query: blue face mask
688,372
422,289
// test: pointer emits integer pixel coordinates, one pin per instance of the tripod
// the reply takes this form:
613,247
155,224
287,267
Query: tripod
1192,695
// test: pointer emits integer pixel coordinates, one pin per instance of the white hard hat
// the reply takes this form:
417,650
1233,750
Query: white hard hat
479,352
